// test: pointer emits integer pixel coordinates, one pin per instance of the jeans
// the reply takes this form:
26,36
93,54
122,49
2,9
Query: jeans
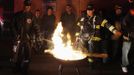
125,50
90,46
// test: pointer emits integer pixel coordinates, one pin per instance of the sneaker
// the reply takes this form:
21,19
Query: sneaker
124,69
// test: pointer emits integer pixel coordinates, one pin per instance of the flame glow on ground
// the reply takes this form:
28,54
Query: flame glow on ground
62,51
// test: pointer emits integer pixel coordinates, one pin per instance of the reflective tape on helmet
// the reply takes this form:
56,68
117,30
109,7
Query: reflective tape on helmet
104,22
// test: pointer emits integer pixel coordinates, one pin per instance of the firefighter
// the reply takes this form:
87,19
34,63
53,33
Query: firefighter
23,54
91,32
19,17
22,50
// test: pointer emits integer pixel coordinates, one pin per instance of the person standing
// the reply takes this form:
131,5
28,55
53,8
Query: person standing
117,43
25,28
38,44
38,18
49,23
91,33
68,20
20,16
128,43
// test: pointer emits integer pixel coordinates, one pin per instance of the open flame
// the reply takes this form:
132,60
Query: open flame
64,51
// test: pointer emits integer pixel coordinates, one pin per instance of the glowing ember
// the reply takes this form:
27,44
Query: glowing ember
64,51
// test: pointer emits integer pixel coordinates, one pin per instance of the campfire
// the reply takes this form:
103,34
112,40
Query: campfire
64,51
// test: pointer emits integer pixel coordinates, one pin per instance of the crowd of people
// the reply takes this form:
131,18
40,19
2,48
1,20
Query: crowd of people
97,33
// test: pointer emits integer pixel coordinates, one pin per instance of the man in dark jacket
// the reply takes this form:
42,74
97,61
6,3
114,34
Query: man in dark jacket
117,43
68,20
25,29
128,44
49,23
23,53
38,18
19,16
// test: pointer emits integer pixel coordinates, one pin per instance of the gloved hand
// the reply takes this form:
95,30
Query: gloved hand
126,38
117,34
